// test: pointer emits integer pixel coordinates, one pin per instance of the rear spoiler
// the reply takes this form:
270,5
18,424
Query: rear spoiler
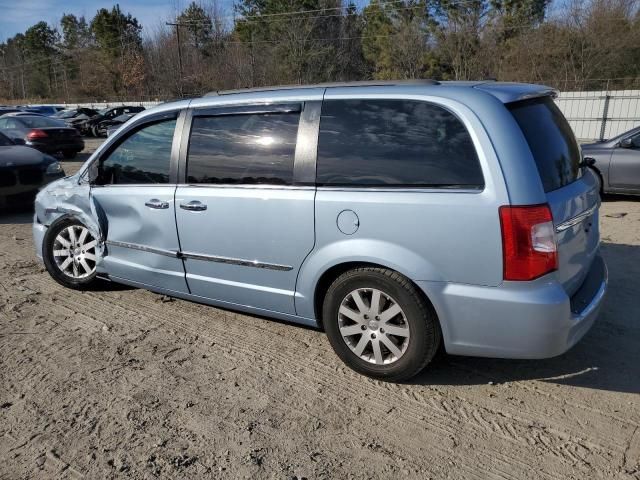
548,92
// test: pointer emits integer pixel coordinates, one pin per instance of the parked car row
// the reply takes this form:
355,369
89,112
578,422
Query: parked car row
87,121
95,123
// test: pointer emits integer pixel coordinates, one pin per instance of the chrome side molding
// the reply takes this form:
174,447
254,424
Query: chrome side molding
142,248
577,219
199,256
236,261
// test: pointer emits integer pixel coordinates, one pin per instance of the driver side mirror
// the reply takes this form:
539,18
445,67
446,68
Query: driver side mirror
626,143
18,141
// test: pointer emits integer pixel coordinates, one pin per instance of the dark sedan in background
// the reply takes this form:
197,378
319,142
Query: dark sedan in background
23,170
108,127
617,162
93,125
42,133
75,113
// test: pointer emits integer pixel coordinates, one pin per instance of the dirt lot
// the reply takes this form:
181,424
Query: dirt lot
125,383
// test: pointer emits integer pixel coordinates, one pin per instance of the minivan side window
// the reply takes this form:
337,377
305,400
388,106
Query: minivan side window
394,143
143,157
243,149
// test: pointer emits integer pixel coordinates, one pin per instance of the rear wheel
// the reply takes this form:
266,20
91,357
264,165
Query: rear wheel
69,154
379,324
69,254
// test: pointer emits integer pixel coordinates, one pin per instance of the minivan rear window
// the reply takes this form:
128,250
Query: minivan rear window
550,140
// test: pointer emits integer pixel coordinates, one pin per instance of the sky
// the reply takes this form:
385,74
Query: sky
18,15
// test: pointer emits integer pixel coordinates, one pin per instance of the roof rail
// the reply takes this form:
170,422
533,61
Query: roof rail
365,83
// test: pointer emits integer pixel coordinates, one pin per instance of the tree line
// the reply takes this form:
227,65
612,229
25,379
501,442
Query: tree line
582,44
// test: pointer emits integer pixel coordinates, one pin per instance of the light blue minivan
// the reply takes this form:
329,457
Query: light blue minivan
397,216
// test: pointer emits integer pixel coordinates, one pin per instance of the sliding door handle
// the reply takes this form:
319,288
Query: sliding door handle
193,206
158,204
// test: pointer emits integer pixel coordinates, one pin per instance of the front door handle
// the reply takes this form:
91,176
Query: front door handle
155,203
194,206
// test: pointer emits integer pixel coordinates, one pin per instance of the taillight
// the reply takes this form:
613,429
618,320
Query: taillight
35,134
529,247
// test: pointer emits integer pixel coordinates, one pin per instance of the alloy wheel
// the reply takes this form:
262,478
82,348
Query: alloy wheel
74,251
374,326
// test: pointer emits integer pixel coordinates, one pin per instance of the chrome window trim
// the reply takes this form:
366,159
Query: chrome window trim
573,221
251,109
391,188
248,186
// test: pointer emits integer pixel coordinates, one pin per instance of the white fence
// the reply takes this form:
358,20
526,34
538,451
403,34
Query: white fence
592,115
601,115
101,105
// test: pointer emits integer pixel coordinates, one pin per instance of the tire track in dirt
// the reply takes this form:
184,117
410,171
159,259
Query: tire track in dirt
564,448
97,388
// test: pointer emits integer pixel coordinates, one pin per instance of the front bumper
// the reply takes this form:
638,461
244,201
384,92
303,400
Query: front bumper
19,193
517,319
38,230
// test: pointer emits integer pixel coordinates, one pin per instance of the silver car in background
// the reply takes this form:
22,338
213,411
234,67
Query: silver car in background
397,216
617,162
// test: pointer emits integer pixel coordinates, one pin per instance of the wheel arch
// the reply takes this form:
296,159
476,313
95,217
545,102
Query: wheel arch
337,256
332,273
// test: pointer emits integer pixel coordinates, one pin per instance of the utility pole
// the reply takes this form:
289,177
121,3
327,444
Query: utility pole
178,25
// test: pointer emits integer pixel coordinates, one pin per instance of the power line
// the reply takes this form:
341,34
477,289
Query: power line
178,25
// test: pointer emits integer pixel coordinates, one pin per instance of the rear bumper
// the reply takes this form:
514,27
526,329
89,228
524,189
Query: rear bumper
517,319
67,145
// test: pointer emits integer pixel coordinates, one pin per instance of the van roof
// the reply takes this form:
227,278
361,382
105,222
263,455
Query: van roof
473,93
505,91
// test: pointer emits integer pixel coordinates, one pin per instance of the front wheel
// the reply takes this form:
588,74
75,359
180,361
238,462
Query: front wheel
69,254
379,324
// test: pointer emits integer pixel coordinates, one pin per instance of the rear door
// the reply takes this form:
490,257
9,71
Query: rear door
133,193
246,214
624,170
571,193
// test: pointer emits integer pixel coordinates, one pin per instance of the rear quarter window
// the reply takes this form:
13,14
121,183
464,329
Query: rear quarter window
394,143
550,139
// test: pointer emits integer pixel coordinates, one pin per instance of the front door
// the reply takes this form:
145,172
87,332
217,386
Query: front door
134,196
624,171
245,226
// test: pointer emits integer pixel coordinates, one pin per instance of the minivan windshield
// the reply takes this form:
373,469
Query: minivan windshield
550,139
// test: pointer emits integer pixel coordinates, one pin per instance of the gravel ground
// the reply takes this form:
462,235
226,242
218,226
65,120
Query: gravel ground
126,383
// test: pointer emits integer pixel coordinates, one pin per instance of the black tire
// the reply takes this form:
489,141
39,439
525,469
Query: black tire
56,273
425,336
69,154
